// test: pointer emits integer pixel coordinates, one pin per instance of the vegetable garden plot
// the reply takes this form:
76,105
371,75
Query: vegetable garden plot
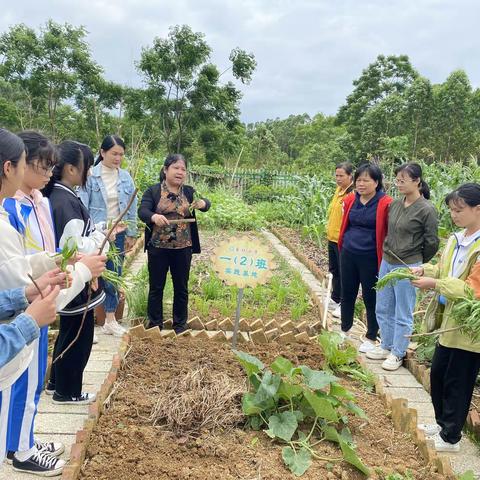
130,441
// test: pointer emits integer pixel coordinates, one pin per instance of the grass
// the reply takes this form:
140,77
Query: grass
284,296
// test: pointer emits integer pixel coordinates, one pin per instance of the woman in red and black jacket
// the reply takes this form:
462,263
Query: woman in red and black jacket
363,230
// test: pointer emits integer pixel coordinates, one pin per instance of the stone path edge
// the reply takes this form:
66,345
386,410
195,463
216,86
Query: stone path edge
79,448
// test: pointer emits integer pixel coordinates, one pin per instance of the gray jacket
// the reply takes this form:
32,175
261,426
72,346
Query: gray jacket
412,232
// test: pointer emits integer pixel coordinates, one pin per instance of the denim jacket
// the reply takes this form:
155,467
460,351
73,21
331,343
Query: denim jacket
94,197
15,337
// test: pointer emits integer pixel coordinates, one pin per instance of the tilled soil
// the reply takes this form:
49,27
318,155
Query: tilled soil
125,445
312,250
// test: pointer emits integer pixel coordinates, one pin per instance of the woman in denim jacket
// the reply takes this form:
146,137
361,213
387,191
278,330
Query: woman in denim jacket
105,195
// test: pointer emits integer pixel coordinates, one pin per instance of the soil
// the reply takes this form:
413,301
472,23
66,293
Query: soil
125,445
312,250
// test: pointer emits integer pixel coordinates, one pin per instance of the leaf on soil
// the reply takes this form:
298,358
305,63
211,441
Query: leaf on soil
282,425
297,462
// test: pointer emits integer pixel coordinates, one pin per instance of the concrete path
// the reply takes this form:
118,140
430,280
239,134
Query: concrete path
59,423
401,383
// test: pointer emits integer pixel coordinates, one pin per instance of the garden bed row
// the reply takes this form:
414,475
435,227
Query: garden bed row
385,450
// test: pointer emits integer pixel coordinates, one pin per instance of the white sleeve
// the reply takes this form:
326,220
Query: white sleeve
80,275
41,263
14,265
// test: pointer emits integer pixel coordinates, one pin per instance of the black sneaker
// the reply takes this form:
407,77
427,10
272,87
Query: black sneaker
9,457
50,389
53,448
40,463
83,399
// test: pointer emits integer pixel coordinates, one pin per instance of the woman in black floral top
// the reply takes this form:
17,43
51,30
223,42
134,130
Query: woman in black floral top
170,245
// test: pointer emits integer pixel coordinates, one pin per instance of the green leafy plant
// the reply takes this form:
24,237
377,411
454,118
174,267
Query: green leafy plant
300,407
395,276
341,357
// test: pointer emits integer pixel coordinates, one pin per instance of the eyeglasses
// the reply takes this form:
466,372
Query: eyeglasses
45,171
401,182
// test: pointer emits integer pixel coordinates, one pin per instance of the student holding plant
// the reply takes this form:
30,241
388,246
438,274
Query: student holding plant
170,245
343,178
16,270
411,240
106,194
363,230
456,362
73,224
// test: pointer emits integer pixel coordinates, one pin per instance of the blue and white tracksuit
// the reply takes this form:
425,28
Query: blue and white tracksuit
15,352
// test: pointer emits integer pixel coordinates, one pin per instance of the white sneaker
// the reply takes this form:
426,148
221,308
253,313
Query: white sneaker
378,353
332,305
430,429
392,363
366,346
337,313
113,329
95,339
442,446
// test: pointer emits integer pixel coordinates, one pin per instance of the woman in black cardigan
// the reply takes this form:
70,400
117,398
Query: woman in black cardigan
170,246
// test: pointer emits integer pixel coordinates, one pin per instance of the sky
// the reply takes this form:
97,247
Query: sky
308,51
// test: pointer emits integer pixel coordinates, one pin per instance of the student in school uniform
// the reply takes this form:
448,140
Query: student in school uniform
456,361
73,223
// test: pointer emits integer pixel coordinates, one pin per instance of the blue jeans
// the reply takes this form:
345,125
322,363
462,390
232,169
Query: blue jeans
395,305
111,294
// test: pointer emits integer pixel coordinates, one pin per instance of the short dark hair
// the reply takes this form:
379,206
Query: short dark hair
414,171
39,147
170,160
468,193
11,149
373,171
347,166
109,142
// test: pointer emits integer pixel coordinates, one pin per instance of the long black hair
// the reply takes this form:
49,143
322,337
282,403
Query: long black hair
170,160
109,142
11,149
414,171
373,171
72,153
468,193
39,147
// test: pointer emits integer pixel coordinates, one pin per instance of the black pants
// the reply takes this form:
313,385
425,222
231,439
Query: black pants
67,373
452,378
334,269
355,270
160,260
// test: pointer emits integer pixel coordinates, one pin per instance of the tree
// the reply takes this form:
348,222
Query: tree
47,66
183,86
387,76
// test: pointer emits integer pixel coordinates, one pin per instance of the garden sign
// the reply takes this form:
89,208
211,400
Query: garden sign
243,262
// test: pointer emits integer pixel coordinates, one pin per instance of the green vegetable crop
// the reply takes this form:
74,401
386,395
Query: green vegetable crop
395,276
300,407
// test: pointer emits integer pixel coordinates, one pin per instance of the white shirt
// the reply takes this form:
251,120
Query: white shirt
460,255
110,180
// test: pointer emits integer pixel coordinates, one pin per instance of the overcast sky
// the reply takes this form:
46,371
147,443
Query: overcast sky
308,51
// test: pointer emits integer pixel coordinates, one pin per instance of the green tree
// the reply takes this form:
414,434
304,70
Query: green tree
183,85
48,66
